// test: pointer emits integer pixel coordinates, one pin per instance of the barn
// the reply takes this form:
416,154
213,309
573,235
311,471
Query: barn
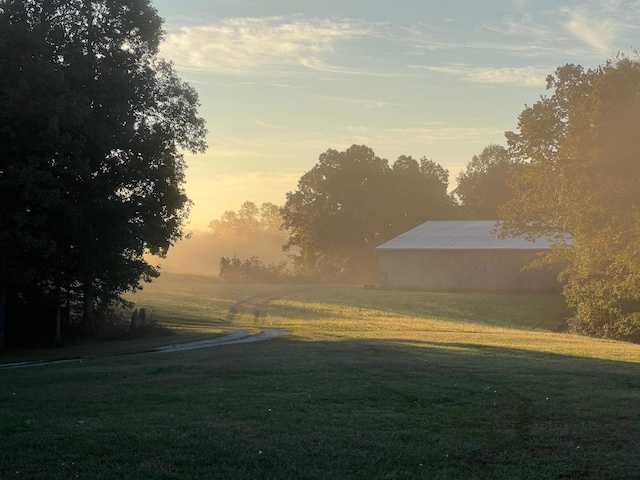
462,255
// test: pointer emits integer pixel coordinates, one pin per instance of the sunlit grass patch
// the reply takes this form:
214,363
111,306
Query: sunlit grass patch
528,321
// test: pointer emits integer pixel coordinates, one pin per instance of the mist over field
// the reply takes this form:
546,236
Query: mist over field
200,254
251,231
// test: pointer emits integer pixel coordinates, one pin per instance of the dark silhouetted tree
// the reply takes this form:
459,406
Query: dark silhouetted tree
105,124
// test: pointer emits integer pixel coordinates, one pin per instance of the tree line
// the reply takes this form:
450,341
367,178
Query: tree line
349,203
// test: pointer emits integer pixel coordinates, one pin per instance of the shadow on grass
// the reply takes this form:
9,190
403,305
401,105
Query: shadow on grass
346,409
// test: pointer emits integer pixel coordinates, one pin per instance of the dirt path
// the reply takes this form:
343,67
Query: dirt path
233,336
256,306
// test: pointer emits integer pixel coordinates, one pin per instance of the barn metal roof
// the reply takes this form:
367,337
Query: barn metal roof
459,235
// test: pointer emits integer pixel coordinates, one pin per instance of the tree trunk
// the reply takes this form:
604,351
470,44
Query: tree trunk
67,313
3,313
58,317
87,311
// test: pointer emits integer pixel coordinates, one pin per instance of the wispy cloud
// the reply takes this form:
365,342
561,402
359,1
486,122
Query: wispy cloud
243,46
520,4
411,140
278,47
252,179
431,134
271,126
364,103
577,29
598,28
315,63
595,25
518,76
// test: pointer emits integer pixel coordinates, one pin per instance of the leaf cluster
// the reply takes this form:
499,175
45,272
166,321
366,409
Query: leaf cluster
485,184
580,179
252,270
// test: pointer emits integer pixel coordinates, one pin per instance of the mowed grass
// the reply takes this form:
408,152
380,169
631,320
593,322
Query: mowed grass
367,384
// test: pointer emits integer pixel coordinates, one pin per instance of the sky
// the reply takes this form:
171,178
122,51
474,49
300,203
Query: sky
282,81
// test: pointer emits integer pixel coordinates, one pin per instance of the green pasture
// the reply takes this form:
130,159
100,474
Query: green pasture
366,384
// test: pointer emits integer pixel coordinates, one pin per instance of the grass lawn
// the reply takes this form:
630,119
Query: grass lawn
367,384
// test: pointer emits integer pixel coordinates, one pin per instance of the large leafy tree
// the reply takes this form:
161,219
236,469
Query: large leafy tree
485,183
352,201
98,148
418,193
582,178
337,211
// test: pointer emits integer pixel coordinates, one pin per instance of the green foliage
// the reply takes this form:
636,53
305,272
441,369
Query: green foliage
352,201
581,178
252,270
91,132
485,184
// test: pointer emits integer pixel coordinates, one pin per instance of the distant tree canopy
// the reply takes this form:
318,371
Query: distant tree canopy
352,201
581,176
250,231
254,234
485,183
249,225
91,129
252,270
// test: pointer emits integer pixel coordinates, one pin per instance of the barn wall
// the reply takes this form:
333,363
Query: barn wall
491,270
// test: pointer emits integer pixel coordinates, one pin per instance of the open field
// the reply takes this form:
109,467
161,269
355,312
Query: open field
367,384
